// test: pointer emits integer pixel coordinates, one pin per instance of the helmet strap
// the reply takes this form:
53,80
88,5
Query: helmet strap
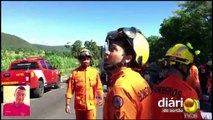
112,67
117,65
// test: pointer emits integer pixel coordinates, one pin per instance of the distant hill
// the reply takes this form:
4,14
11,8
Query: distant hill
12,41
45,47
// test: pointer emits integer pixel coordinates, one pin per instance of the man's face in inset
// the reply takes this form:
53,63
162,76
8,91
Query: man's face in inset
19,96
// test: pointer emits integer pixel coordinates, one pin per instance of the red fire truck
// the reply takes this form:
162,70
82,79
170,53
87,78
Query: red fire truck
36,72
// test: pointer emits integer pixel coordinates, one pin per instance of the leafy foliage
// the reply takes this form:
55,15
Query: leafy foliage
76,48
57,59
192,23
92,46
156,43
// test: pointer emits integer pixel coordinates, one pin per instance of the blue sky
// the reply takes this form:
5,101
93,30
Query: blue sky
56,23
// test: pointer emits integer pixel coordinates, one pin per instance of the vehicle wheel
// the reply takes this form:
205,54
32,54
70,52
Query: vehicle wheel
38,92
58,84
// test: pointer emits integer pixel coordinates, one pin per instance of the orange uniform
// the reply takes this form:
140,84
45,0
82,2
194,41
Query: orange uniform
172,88
87,86
128,96
193,80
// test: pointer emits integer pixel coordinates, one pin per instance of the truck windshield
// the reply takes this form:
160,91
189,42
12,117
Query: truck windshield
24,66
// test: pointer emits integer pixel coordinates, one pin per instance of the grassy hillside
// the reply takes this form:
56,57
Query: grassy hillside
14,42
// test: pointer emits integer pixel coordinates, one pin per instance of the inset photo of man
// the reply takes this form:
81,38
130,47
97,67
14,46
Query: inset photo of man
16,101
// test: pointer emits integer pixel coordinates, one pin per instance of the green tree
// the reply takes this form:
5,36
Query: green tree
192,23
92,46
156,43
76,48
95,50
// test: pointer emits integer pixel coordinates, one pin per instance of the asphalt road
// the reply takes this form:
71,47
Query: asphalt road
51,106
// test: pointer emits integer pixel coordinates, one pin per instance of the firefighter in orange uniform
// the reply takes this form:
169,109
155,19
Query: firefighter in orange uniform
128,94
169,97
86,84
193,79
